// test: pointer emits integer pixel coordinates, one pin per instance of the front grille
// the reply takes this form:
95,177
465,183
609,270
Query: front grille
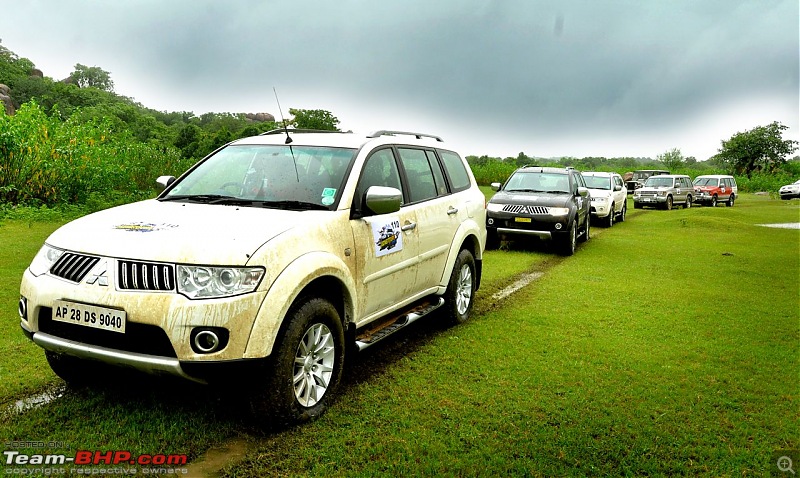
521,209
73,267
134,275
139,338
648,194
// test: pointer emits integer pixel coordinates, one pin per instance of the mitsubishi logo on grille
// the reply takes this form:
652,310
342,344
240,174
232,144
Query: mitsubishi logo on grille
99,274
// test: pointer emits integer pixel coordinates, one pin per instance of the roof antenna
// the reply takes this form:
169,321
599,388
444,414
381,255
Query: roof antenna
283,120
288,138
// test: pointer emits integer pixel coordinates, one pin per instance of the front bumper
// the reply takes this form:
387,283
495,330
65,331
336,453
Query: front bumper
158,333
650,200
541,226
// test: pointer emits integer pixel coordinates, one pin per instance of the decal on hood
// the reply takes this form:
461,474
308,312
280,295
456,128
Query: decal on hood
144,227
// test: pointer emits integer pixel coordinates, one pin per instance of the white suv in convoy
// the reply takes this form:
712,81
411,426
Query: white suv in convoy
264,265
609,196
664,191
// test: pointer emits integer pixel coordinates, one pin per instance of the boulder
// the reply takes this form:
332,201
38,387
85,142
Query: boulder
627,176
4,90
37,73
5,98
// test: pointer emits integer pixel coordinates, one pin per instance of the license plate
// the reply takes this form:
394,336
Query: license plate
647,200
522,219
89,316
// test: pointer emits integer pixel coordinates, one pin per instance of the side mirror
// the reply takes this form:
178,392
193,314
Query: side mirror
583,191
383,200
164,182
617,187
496,186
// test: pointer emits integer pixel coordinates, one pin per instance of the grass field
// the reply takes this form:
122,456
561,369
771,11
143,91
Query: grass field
667,345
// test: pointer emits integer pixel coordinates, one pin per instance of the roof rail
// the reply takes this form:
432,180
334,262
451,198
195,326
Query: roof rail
299,130
383,132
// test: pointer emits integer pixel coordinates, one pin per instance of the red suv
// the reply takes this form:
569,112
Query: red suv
714,188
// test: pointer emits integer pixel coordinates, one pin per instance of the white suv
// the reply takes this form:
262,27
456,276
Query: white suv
609,196
264,265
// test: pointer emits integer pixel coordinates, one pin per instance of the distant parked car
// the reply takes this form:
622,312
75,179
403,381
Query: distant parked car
640,176
609,196
664,191
790,190
547,203
713,188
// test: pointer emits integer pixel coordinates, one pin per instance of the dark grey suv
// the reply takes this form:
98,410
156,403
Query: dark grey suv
547,203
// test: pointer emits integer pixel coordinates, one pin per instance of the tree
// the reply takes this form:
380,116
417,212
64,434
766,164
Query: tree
313,119
92,76
672,159
759,149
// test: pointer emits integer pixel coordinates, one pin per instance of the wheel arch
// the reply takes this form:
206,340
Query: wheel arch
311,275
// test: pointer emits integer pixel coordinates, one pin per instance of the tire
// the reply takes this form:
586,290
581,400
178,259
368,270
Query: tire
713,202
688,203
569,241
77,372
668,204
306,366
623,213
610,218
460,294
585,236
731,201
492,239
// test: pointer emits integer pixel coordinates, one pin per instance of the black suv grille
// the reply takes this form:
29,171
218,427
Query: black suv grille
521,209
134,275
140,338
73,267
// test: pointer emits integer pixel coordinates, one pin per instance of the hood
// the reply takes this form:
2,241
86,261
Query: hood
531,199
178,232
706,188
599,193
645,189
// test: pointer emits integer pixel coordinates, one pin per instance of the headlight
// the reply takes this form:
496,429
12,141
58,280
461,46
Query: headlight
559,211
636,194
494,207
204,282
44,260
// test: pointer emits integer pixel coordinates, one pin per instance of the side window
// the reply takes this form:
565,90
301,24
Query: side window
456,172
686,183
380,169
421,185
441,186
618,181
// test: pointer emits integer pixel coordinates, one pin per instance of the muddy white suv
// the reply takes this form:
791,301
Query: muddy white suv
264,265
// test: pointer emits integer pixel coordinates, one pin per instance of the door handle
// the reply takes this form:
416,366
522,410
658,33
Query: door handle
408,226
452,211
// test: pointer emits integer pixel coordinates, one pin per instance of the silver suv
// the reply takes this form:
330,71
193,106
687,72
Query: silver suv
664,191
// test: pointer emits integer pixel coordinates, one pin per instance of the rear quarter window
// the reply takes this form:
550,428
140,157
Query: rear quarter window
456,172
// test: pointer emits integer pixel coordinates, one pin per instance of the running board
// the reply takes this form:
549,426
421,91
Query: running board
376,332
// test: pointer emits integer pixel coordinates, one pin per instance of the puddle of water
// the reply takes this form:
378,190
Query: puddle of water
784,225
35,401
519,284
217,457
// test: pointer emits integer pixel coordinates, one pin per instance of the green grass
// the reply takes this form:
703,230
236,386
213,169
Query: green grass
667,345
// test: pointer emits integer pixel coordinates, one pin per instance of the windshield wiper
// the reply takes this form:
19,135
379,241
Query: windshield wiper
525,191
300,205
204,198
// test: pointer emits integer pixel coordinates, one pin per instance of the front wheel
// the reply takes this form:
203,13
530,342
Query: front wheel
610,218
623,213
668,204
460,293
731,200
688,202
569,241
714,201
306,367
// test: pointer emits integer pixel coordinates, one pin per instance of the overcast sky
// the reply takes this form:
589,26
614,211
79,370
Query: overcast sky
498,77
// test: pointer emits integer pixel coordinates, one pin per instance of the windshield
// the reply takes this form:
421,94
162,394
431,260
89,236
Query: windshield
646,174
268,175
706,182
658,182
598,182
538,182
